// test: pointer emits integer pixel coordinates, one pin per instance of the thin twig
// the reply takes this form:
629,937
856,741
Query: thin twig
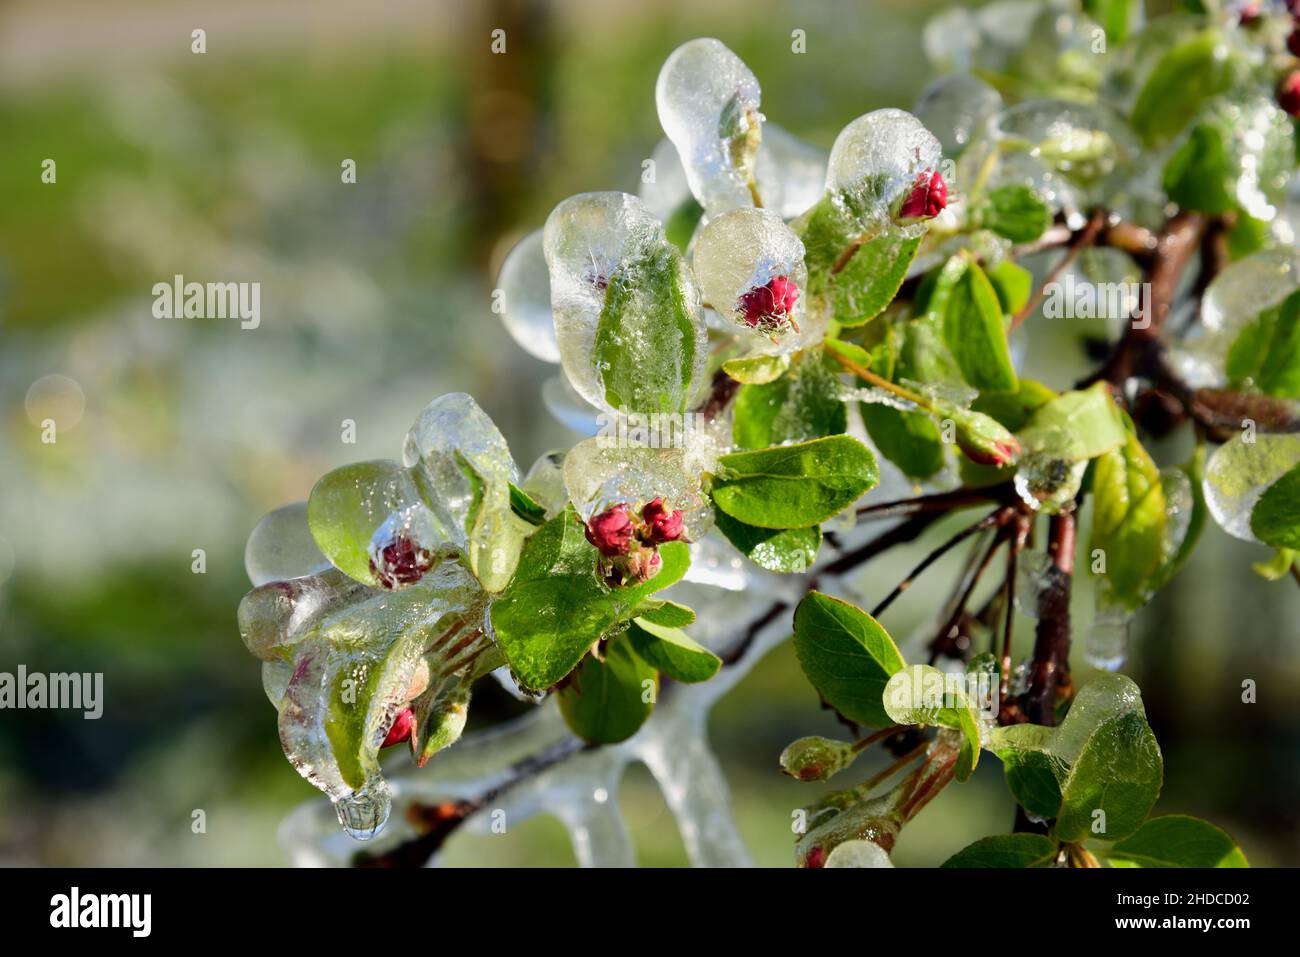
1082,239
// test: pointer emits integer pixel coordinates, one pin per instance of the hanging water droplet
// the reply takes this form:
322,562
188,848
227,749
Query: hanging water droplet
1032,579
1107,644
364,813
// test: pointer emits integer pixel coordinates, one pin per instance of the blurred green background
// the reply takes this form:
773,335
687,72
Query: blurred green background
177,435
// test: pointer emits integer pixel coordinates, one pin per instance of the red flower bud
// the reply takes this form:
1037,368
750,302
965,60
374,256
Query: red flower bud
1249,15
401,562
769,304
643,565
611,531
1288,94
1293,42
816,857
929,198
402,727
661,524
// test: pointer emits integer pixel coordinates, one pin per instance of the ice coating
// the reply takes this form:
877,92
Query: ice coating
668,189
858,854
1106,647
357,667
1087,145
580,786
708,104
1239,472
876,163
954,106
1232,301
598,476
598,244
740,259
465,469
1033,577
371,521
568,408
545,482
525,285
273,616
281,547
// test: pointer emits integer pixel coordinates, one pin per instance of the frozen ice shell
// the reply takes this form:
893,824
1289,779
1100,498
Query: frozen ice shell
858,854
592,242
668,189
750,266
1239,472
708,104
570,409
545,482
791,173
599,474
272,617
954,106
465,468
1106,647
281,547
951,38
525,285
876,162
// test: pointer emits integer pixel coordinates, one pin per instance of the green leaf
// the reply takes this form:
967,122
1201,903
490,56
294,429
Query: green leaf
673,652
1013,409
1102,758
1198,68
787,551
911,440
1277,567
1176,840
1076,426
1013,284
1275,519
922,694
647,302
525,506
849,350
803,404
556,607
1006,850
871,278
1016,212
1267,351
757,370
1113,16
847,656
608,701
1128,520
794,486
973,329
670,614
1197,177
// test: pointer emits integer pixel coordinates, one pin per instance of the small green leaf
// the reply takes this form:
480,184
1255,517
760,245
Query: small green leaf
1275,519
1128,520
647,302
525,506
1076,426
1098,773
974,331
1197,177
1016,212
816,758
1013,284
673,652
911,440
922,694
682,221
871,278
757,370
1198,68
802,404
1267,351
1176,840
794,486
1006,850
847,656
1013,409
1114,16
787,551
608,701
670,614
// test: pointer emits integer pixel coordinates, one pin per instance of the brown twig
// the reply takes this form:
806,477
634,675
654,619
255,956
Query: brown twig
1082,239
1050,669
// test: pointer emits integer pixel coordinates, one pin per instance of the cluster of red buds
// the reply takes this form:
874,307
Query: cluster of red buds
1288,90
928,198
401,562
770,308
629,542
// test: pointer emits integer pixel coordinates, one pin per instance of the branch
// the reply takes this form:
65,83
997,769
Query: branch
1050,669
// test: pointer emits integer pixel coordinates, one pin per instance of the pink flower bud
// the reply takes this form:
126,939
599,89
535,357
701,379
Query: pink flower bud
402,727
611,531
643,565
1288,94
816,857
661,524
1249,15
400,562
770,304
929,198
